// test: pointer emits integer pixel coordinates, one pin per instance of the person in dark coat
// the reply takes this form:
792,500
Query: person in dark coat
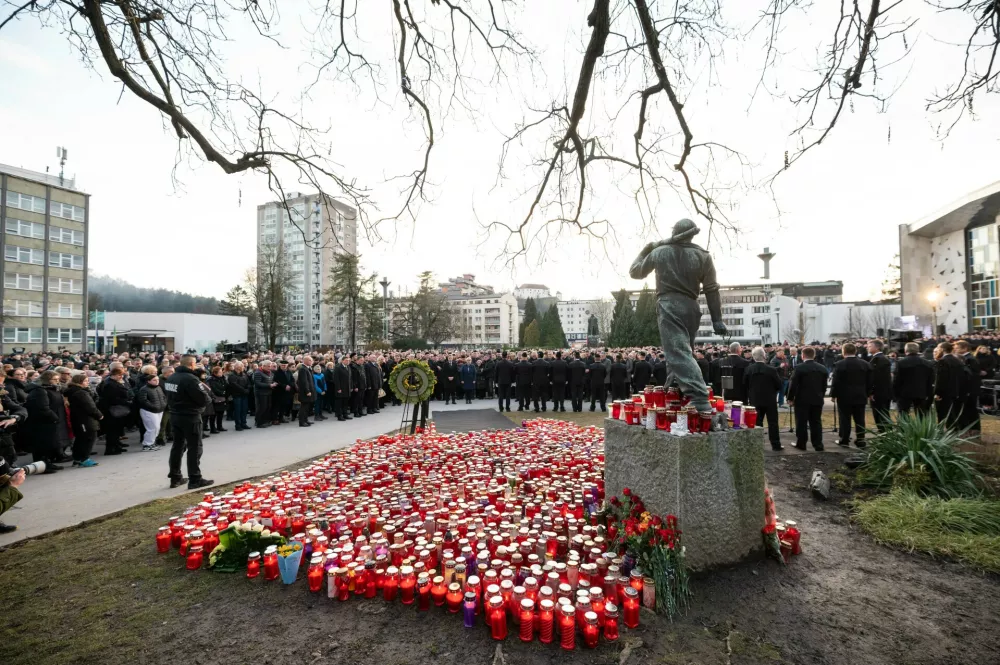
16,386
806,393
263,387
987,363
152,403
467,375
359,385
851,388
449,373
598,389
282,394
761,385
558,373
951,383
504,372
539,381
219,386
660,371
373,381
577,380
619,377
881,385
642,373
46,428
116,405
913,385
488,370
523,374
342,388
969,420
732,365
305,386
12,414
239,389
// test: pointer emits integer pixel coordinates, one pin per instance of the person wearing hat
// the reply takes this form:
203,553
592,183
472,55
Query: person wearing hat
683,270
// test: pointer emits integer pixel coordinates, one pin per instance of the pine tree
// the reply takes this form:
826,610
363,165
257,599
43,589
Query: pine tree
532,335
645,315
530,314
553,336
347,291
624,327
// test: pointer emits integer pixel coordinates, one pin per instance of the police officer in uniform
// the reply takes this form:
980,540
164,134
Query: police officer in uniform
186,401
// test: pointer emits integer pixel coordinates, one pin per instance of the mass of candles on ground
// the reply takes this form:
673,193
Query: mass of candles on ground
499,527
656,408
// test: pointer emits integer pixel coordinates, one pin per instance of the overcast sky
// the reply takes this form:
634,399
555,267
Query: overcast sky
191,227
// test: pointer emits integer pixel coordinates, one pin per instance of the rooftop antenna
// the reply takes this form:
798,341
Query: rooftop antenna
62,154
766,257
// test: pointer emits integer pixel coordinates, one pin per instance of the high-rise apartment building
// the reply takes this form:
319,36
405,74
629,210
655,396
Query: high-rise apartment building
331,228
44,246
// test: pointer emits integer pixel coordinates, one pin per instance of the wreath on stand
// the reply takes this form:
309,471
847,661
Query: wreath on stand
412,381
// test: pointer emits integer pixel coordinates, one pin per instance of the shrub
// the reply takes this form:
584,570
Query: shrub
919,453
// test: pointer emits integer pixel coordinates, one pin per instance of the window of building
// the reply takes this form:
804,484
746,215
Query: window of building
63,285
66,211
64,335
22,335
63,260
63,310
984,272
26,202
19,227
67,236
14,280
22,308
24,255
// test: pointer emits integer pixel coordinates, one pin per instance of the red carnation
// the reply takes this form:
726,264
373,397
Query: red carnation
627,492
657,521
615,502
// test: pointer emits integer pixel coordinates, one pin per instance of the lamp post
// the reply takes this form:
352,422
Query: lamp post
932,298
385,306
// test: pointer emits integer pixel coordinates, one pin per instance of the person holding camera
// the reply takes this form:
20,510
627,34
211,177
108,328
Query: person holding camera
9,494
11,413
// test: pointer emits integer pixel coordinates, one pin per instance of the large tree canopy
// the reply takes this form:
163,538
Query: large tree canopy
622,119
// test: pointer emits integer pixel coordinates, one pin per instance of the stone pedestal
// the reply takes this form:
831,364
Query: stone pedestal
713,483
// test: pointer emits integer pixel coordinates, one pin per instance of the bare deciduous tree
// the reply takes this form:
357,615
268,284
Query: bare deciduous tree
269,286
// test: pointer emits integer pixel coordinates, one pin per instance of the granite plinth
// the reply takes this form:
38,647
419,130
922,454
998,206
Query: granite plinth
713,483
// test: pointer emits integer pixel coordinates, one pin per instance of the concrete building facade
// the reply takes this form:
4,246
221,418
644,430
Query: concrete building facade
950,265
484,320
575,317
44,246
311,231
160,331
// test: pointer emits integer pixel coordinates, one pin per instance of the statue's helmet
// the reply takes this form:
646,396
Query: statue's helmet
684,230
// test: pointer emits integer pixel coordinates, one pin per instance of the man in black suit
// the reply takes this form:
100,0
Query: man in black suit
642,372
449,372
342,388
523,371
373,381
970,403
577,376
950,385
539,380
881,384
619,376
660,371
703,365
598,389
731,365
850,389
359,384
914,382
806,393
761,386
505,377
558,372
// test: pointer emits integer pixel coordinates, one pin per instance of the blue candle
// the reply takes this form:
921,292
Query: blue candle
469,609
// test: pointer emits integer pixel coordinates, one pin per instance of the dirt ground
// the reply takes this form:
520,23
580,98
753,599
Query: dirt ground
100,593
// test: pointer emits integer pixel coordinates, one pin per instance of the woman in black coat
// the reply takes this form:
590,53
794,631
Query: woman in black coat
84,415
46,428
116,404
220,390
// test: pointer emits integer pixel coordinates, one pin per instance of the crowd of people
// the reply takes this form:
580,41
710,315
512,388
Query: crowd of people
57,408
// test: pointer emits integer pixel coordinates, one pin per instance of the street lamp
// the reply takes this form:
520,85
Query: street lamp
932,298
385,315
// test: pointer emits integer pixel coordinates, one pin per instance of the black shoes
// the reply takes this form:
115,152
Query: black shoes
802,447
7,528
262,426
843,444
777,447
177,482
201,482
305,424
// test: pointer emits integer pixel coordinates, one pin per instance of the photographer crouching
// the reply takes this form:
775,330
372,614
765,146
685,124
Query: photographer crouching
10,480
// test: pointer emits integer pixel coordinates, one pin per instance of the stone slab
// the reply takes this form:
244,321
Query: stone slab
713,483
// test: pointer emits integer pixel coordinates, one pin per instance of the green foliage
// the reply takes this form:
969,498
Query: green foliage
645,316
530,314
410,344
962,528
347,292
532,335
919,453
412,381
624,326
236,542
552,333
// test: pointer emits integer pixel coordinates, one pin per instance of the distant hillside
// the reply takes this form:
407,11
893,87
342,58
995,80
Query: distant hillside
117,295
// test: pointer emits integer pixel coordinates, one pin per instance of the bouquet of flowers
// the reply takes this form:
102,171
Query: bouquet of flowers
652,542
289,560
772,544
236,542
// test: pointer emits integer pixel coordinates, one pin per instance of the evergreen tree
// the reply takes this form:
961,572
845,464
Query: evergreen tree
645,316
553,336
347,291
532,335
624,327
239,302
530,314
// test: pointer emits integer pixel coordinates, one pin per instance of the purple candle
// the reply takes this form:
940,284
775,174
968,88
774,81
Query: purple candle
736,414
469,609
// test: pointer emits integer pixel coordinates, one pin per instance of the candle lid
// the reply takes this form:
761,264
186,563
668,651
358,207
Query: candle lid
528,604
610,607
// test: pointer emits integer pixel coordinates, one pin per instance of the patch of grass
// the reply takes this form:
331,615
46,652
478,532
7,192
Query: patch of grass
967,530
744,648
840,482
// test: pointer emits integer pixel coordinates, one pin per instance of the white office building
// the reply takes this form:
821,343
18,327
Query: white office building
575,317
310,230
484,320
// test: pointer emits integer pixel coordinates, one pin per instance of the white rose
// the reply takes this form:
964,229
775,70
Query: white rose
244,528
258,528
265,533
236,525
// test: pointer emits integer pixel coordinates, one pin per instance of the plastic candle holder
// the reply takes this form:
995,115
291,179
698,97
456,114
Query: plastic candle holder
736,414
546,621
793,535
270,563
163,540
454,597
591,630
253,565
391,584
438,590
315,575
526,617
649,593
497,613
469,609
750,417
194,557
630,608
423,592
567,627
610,622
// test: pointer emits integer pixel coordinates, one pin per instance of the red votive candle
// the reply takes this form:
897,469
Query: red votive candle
630,608
454,597
253,565
407,585
591,630
163,540
567,627
423,592
371,580
270,563
527,619
391,584
497,614
343,584
194,557
315,575
635,579
438,590
546,615
610,622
